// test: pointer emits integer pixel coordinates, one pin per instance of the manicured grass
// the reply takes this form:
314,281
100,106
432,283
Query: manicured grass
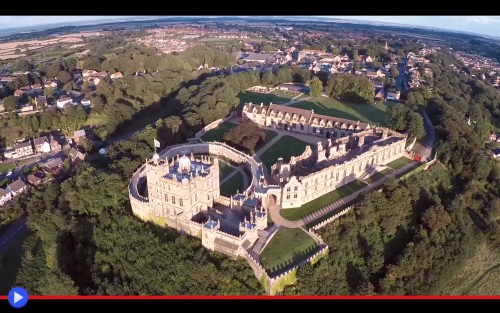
287,247
318,203
10,261
96,119
399,163
328,215
286,147
224,169
231,186
285,94
217,133
378,175
5,167
364,112
257,98
478,275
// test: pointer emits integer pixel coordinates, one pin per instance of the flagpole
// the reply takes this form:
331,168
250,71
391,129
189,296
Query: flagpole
154,144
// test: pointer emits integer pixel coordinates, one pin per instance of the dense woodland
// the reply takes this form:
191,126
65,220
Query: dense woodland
411,237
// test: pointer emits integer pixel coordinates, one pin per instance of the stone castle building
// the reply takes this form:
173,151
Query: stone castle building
324,169
183,187
302,121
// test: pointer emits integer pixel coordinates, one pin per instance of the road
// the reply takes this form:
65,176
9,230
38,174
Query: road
14,229
430,137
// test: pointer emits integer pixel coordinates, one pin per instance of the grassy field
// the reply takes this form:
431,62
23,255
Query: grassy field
378,175
231,186
265,98
224,169
5,167
479,275
318,203
10,261
328,215
285,94
95,119
399,163
286,147
287,247
369,113
217,133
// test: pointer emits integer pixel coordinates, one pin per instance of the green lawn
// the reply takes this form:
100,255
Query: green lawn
399,163
369,113
217,133
285,94
96,119
5,167
10,261
288,246
233,185
224,169
257,98
478,275
329,214
378,175
318,203
286,147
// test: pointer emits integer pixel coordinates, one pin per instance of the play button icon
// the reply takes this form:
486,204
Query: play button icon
18,297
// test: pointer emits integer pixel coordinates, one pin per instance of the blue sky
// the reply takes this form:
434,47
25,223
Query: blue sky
489,25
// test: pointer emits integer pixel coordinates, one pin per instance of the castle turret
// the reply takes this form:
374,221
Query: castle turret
208,233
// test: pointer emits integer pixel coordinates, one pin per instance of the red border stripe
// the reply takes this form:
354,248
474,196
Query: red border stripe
260,297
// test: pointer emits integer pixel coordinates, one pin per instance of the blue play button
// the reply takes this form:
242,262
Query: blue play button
18,297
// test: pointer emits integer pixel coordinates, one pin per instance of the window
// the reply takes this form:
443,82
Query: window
181,203
166,198
314,129
295,196
288,197
302,126
295,188
195,197
321,131
288,188
173,200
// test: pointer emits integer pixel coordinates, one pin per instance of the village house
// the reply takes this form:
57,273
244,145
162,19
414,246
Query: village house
86,102
18,92
17,187
76,156
380,95
41,144
5,196
55,145
41,101
93,80
23,149
50,84
37,87
78,135
36,178
116,75
53,166
88,73
393,94
63,100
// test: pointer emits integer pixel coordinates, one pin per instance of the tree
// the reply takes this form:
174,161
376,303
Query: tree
22,65
394,71
415,125
397,117
247,135
10,103
268,78
35,123
316,87
64,77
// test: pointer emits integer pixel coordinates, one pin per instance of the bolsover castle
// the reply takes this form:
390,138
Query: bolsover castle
180,187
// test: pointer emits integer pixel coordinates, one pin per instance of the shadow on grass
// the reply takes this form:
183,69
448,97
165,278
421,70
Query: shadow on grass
298,256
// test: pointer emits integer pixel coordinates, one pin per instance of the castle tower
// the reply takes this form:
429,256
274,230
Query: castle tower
208,233
261,218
